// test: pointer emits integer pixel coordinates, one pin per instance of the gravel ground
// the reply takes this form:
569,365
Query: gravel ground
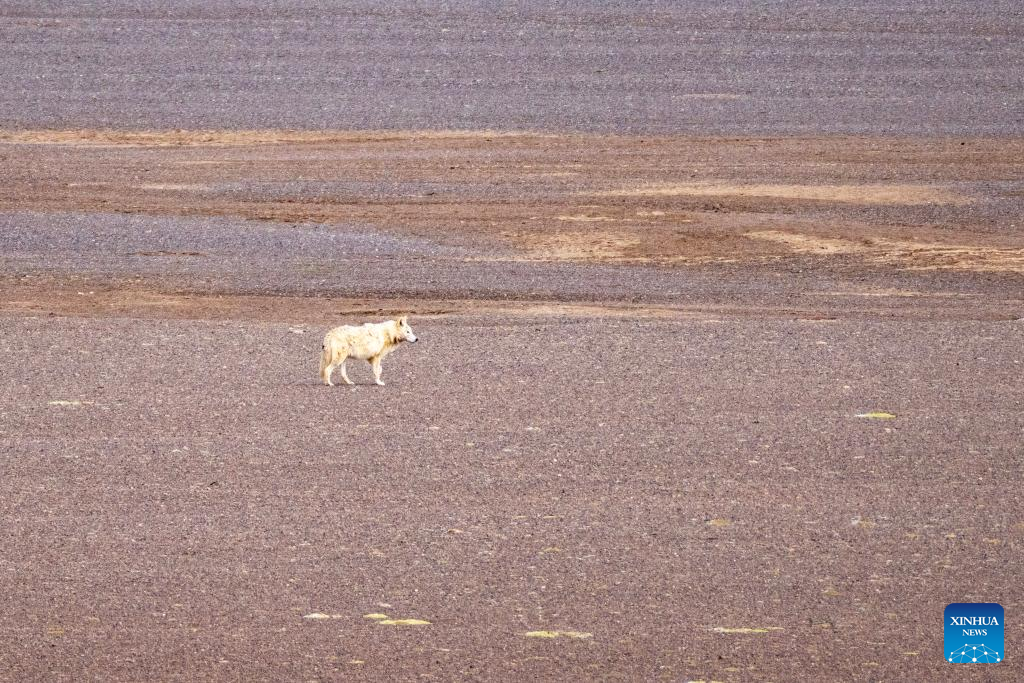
179,496
737,67
55,262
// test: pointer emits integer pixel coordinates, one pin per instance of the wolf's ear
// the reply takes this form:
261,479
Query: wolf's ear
403,320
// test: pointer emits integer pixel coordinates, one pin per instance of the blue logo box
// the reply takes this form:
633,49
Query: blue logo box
974,633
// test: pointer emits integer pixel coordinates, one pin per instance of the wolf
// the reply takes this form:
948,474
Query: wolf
370,342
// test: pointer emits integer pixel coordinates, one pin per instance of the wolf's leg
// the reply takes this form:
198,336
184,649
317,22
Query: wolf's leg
375,364
325,364
344,375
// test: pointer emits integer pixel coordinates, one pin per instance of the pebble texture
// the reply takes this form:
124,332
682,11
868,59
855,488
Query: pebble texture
921,67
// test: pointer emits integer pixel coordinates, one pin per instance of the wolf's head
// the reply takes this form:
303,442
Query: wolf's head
405,332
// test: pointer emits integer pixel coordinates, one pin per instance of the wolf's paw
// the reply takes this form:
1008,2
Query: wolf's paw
379,383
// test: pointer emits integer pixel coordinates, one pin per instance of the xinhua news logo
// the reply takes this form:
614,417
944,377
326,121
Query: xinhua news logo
974,633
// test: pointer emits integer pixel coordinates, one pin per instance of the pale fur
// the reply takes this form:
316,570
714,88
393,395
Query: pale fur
370,342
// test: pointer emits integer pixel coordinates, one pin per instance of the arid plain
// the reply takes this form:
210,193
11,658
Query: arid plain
698,395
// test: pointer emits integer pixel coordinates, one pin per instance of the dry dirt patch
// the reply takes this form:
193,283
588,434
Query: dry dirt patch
903,254
58,299
592,245
854,194
514,195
